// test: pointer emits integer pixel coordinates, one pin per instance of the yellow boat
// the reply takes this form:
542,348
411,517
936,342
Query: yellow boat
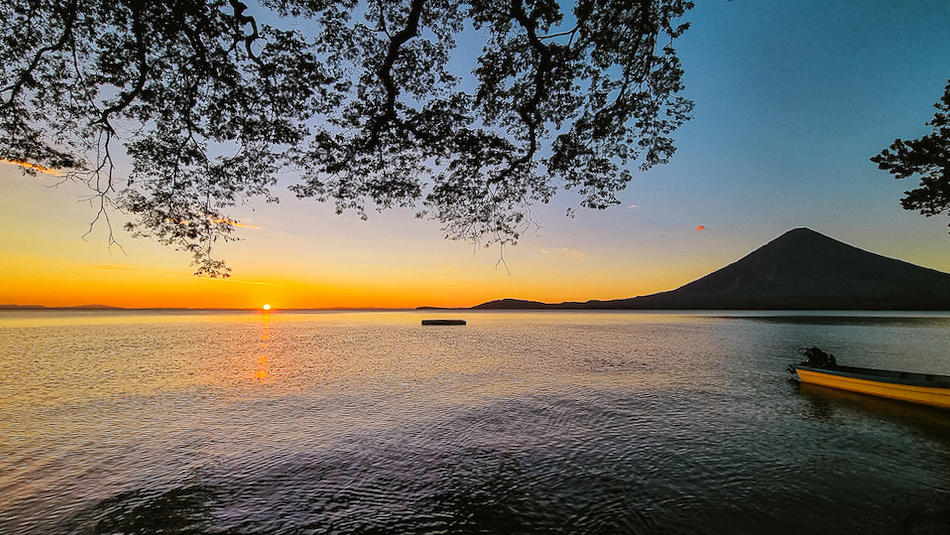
924,388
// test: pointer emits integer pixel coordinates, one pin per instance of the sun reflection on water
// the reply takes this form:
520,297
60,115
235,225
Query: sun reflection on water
263,357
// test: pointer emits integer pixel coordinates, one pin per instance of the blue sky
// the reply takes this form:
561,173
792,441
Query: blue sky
792,98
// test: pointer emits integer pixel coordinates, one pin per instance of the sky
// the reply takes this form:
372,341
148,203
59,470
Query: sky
792,99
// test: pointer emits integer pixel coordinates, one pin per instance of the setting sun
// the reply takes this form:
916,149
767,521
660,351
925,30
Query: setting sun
266,307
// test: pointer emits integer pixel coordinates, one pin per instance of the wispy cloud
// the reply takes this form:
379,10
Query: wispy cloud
32,166
567,251
166,273
228,280
115,267
232,222
255,283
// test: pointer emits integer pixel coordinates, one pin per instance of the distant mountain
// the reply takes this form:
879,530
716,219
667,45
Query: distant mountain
42,307
800,270
522,304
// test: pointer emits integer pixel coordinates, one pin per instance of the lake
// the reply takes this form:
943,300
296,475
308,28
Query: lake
520,422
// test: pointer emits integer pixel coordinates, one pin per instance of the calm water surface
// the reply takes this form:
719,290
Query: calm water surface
145,422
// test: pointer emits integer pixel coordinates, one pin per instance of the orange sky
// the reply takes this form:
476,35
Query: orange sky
300,256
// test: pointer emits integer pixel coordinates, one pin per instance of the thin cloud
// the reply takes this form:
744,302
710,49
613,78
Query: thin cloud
255,283
32,166
566,251
573,252
231,222
167,273
117,267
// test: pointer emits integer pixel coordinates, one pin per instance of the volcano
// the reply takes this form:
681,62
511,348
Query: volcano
800,270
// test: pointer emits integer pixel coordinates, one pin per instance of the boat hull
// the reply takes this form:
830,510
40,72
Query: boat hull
933,390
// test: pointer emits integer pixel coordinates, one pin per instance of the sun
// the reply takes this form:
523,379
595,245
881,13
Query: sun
266,307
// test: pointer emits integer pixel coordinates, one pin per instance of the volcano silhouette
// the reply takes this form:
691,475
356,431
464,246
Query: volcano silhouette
800,270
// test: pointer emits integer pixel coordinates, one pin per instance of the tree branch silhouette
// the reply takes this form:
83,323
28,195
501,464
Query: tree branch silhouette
366,108
928,157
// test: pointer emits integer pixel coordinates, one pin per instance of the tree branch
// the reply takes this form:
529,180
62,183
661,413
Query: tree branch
385,73
138,29
69,19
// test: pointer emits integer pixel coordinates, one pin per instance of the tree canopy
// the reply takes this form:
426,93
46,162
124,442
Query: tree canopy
369,103
929,157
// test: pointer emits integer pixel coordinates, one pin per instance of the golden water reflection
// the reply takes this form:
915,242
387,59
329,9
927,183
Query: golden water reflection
263,354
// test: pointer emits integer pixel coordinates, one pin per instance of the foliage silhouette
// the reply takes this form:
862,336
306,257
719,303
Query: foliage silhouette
210,101
929,157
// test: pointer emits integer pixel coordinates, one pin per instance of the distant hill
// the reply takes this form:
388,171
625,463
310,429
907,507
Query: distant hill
41,307
800,270
521,304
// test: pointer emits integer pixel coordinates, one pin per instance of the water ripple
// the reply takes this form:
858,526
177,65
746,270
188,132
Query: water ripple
552,424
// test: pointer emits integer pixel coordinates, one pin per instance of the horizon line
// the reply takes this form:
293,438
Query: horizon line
259,309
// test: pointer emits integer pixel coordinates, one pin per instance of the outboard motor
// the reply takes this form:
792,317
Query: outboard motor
816,358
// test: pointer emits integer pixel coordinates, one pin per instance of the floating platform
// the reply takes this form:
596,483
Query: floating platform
444,322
